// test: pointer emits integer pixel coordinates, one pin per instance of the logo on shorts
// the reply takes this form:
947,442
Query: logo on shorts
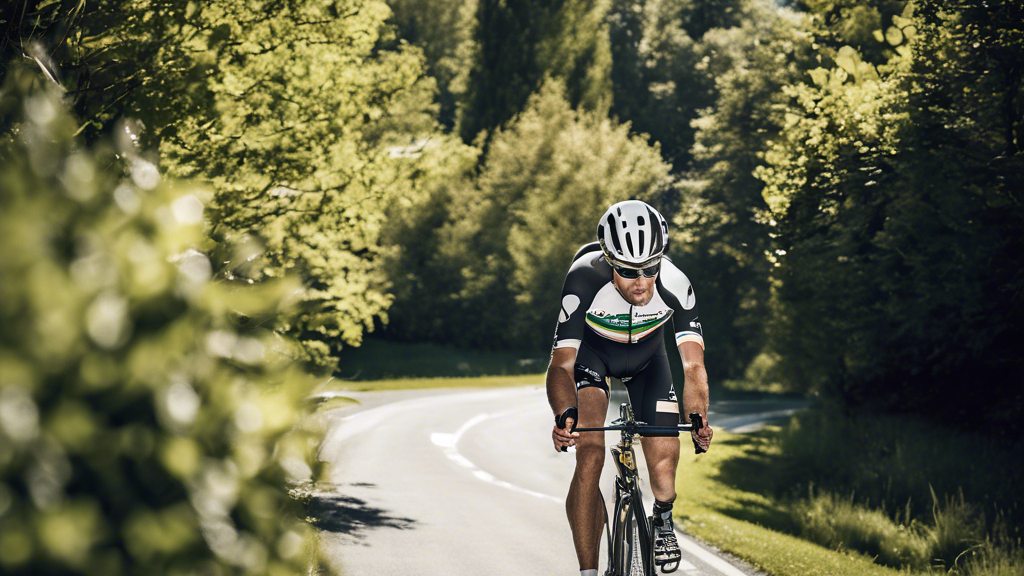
592,373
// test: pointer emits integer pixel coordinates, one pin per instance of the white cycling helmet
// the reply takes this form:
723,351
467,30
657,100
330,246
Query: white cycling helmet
632,234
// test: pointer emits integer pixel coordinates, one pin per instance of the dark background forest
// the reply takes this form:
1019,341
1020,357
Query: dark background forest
843,181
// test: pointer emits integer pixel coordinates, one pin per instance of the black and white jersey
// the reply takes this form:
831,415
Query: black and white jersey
594,311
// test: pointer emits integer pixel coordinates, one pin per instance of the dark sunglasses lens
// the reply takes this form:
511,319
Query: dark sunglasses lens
628,273
652,271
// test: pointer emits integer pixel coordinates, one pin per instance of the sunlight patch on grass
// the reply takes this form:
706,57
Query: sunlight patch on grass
840,522
748,524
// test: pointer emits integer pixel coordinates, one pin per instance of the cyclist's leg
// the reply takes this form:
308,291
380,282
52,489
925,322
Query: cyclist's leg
654,401
657,405
584,505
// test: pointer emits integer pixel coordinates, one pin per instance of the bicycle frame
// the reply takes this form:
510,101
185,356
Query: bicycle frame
627,485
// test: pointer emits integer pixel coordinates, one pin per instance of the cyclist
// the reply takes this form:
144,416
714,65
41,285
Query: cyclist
619,295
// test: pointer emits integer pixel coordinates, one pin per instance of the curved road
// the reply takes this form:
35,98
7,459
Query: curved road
466,482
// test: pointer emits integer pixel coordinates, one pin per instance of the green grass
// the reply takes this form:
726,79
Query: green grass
382,360
747,523
827,495
421,383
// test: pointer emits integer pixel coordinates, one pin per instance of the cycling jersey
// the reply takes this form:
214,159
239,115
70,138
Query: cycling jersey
613,337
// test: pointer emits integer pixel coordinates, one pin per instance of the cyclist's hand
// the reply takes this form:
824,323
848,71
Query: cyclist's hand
562,437
702,439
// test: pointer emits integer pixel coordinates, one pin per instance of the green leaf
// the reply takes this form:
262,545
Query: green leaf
848,59
894,36
819,76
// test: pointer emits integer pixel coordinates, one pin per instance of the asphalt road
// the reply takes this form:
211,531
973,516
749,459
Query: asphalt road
466,483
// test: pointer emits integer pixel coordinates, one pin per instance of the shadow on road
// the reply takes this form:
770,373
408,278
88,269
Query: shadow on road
332,511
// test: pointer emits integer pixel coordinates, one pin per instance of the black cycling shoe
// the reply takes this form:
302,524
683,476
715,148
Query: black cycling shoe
666,548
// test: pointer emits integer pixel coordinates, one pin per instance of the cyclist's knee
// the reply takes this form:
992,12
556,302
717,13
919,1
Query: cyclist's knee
590,456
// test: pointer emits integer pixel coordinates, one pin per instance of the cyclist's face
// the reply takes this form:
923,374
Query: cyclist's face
638,291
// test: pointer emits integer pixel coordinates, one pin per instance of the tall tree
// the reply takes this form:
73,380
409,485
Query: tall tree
659,83
893,199
497,249
727,236
287,107
443,29
519,43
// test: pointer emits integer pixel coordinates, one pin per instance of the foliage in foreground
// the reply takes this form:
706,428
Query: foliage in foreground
146,418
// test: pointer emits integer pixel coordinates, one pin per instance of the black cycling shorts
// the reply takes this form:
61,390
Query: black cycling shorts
644,371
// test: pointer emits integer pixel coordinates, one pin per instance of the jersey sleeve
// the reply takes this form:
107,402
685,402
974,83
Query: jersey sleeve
678,293
578,293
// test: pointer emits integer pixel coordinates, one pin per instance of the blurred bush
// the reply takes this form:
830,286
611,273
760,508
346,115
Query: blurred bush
147,421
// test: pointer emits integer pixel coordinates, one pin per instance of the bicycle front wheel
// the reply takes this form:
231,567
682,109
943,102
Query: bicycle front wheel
627,555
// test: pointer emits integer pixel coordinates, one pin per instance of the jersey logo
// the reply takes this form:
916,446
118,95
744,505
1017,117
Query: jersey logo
569,305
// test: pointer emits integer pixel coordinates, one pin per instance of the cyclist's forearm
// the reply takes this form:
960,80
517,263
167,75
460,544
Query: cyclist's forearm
695,391
561,391
695,388
561,386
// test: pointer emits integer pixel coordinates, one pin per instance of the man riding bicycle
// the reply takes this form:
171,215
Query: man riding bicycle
619,295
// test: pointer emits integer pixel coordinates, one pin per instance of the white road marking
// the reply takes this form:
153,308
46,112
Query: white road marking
691,546
686,566
449,442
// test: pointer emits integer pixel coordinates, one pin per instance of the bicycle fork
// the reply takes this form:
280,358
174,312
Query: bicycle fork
627,484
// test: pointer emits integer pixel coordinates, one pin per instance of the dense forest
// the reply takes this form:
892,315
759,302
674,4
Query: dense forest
843,180
842,177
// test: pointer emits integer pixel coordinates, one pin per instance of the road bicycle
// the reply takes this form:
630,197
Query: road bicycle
631,532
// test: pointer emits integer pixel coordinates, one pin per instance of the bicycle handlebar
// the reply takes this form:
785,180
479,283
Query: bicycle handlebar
641,428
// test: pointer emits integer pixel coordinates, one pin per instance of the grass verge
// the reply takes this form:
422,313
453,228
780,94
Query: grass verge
379,359
749,524
827,495
422,383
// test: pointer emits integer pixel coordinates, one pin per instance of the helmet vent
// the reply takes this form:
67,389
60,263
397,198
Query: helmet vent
615,237
632,233
656,232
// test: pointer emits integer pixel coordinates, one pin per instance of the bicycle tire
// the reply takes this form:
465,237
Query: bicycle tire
627,555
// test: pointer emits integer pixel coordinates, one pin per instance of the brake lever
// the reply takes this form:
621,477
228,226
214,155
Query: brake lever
698,423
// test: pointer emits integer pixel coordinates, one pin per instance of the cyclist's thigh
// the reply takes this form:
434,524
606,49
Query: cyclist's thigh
592,394
652,395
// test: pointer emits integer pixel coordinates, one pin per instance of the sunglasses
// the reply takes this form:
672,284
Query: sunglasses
634,273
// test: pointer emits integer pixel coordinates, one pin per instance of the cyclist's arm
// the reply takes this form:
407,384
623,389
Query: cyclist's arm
581,284
695,387
562,395
559,381
695,390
